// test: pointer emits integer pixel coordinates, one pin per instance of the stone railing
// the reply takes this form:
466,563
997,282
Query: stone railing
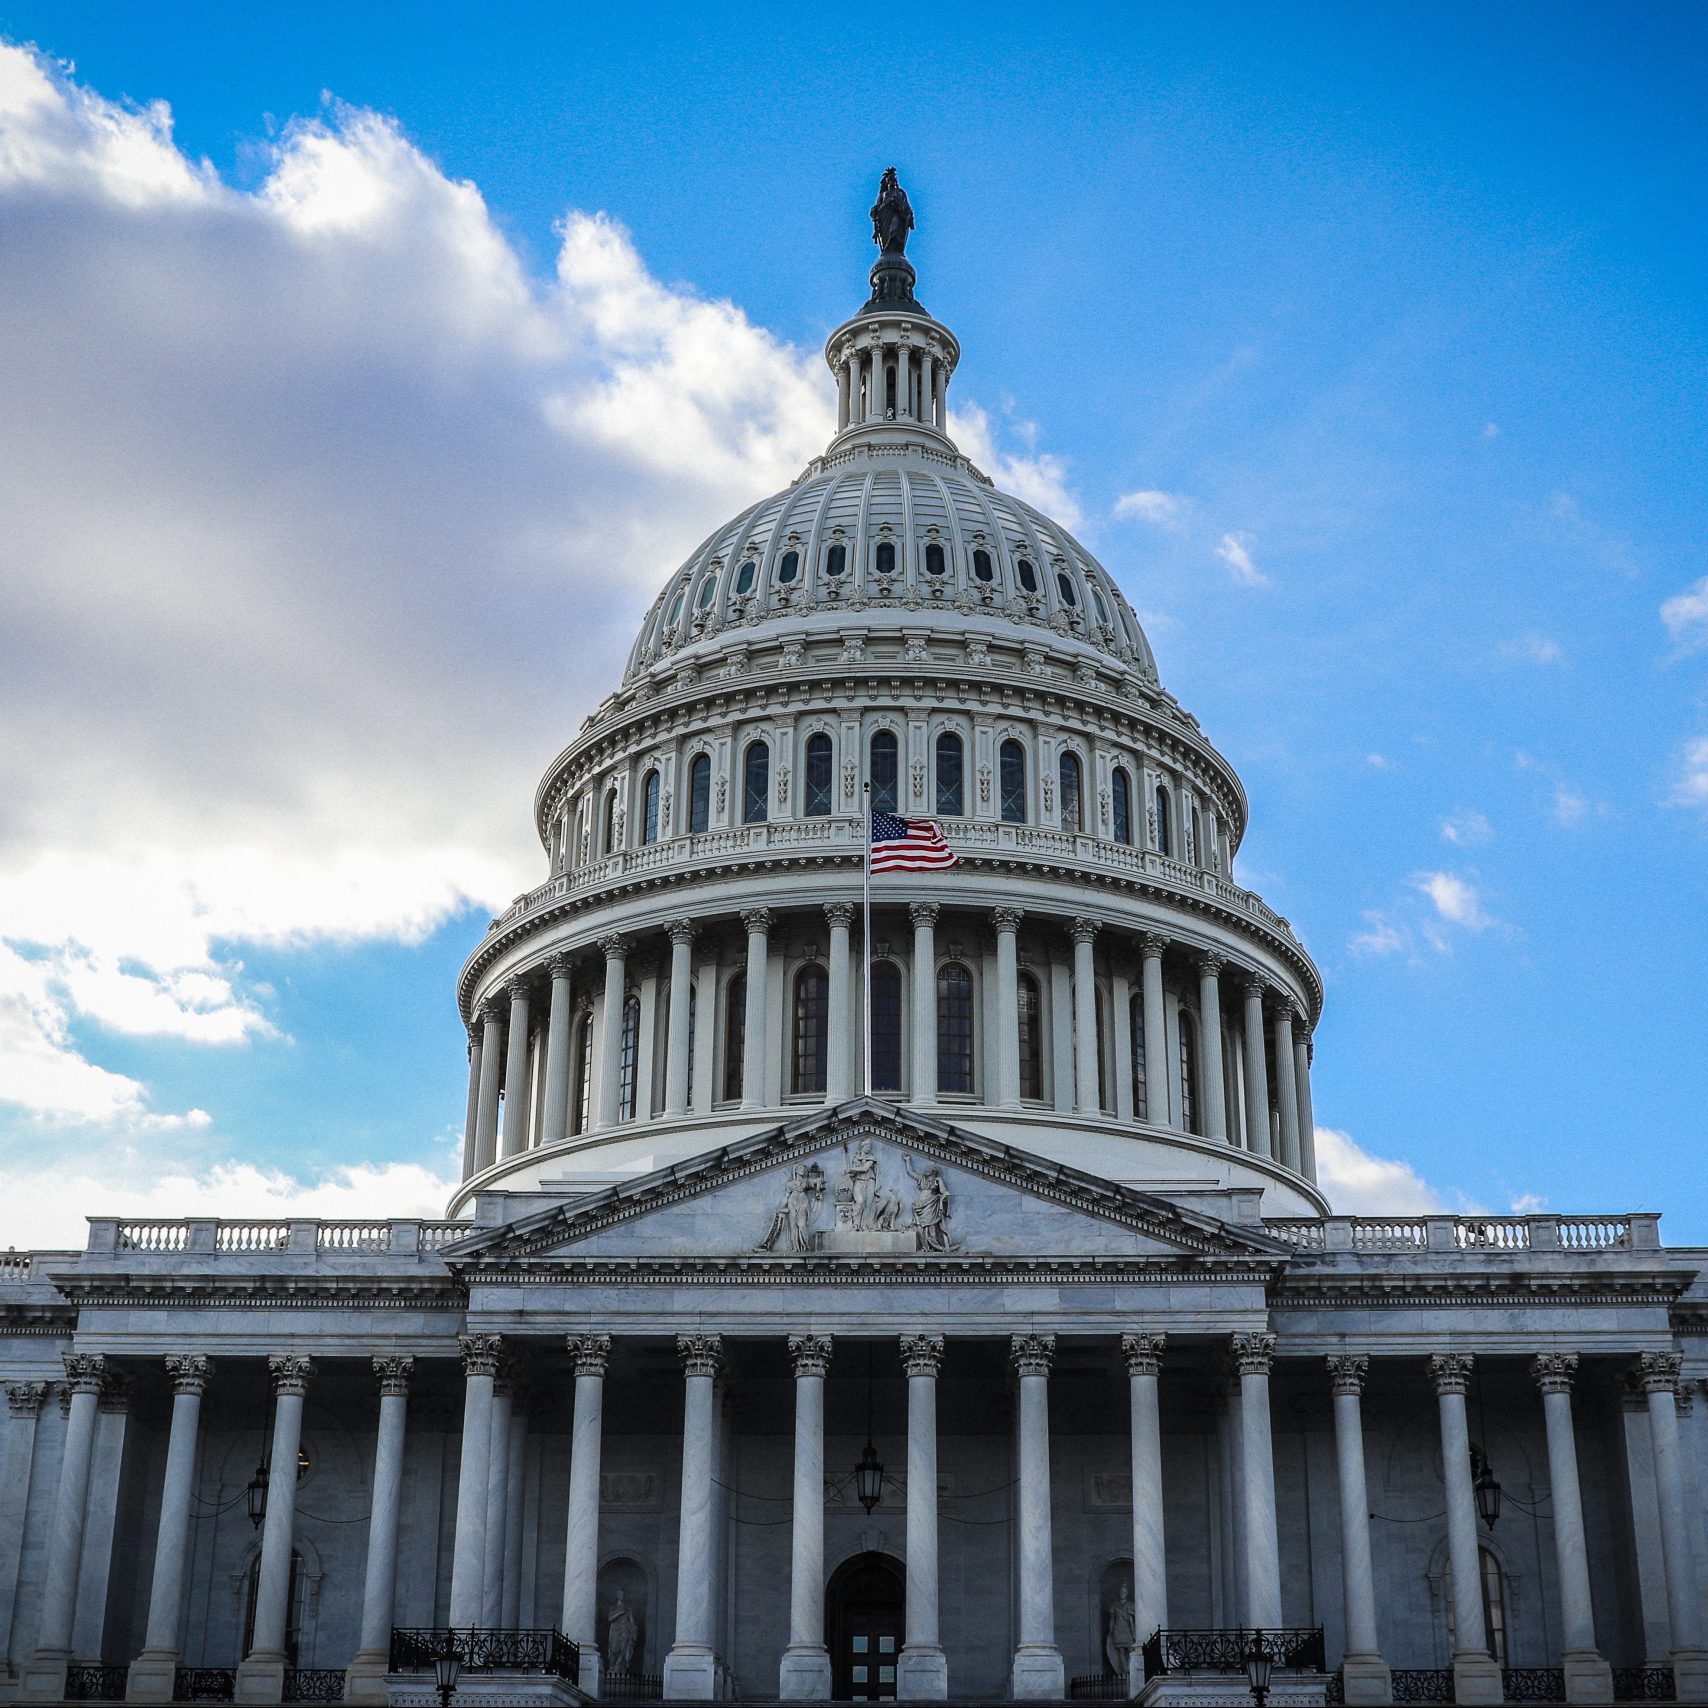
297,1237
1386,1235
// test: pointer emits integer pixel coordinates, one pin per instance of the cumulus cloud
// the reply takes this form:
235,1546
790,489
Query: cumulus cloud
1358,1183
1160,509
1690,778
1686,617
1235,552
1466,828
326,521
1455,899
1035,476
1435,908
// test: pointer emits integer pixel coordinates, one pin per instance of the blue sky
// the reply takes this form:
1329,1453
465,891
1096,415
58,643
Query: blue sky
1367,349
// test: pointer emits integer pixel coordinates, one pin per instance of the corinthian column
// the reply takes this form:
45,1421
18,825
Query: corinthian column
805,1672
755,1042
491,1076
1210,1046
1007,923
1087,1100
365,1678
516,1087
1476,1678
1151,947
1660,1371
1256,1070
676,1046
482,1354
924,917
1253,1356
471,1124
1366,1675
616,948
690,1669
922,1674
560,1028
591,1353
23,1408
1286,1091
1037,1673
839,1038
1143,1353
497,1502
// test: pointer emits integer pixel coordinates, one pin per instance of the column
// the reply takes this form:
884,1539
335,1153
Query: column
754,1043
1086,1099
261,1677
928,386
924,917
1256,1069
1476,1678
805,1672
1210,1046
1307,1115
1038,1672
1253,1356
923,1673
100,1518
1588,1676
44,1676
481,1354
943,398
1365,1673
1007,923
471,1123
904,384
1683,1600
839,1069
497,1501
515,1136
1286,1089
616,948
365,1677
153,1672
591,1354
560,1030
676,1038
491,1073
515,1503
842,394
23,1409
690,1669
1151,947
1143,1354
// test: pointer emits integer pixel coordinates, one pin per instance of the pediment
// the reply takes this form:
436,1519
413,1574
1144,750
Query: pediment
865,1183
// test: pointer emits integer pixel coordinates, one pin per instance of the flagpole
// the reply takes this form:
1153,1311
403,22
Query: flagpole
866,953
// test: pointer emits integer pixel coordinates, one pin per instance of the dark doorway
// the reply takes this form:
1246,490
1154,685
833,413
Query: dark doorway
865,1604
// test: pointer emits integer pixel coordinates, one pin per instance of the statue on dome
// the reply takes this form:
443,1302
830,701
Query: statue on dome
892,215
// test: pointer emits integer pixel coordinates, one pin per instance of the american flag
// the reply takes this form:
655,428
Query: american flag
909,845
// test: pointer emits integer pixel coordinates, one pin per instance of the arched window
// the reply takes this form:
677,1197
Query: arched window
700,795
1188,1073
1136,1043
1028,575
819,776
950,793
1064,586
835,560
982,566
1011,763
1164,830
1031,1006
1197,849
886,771
649,802
756,784
675,607
954,1029
1073,806
1494,1604
1121,802
886,1026
628,1059
812,1018
745,575
735,1034
934,564
708,591
1097,600
788,567
609,844
581,1097
886,558
293,1606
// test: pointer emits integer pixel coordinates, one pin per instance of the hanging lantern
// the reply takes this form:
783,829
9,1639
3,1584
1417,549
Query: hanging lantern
1487,1491
255,1496
869,1477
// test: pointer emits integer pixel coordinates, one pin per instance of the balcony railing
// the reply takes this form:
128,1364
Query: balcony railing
1383,1235
482,1649
204,1684
314,1684
95,1683
211,1236
1294,1649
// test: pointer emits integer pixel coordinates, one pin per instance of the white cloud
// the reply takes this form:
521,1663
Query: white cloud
1686,617
1454,899
1466,828
1490,430
1358,1183
1380,936
1569,808
1035,476
1235,552
325,522
1378,762
1533,648
1160,509
1690,780
1438,903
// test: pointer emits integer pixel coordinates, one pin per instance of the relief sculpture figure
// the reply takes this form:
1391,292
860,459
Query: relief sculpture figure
931,1209
620,1634
791,1222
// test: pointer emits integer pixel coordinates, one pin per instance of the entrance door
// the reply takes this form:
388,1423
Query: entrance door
865,1603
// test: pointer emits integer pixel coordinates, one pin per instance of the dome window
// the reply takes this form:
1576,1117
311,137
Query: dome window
982,566
1064,582
934,564
836,560
610,834
955,1029
812,1024
1028,575
1136,1046
1121,791
708,591
951,792
735,1035
789,568
1164,831
1188,1074
628,1060
649,804
1072,802
1030,1006
699,795
756,784
1097,600
886,1026
1012,763
744,576
886,772
675,608
819,780
886,558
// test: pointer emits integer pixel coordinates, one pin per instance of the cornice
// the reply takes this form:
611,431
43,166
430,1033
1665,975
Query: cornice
1453,1284
239,1291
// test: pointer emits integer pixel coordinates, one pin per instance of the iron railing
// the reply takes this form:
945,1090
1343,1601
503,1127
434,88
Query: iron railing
1533,1684
95,1683
1098,1687
488,1650
204,1684
1644,1684
314,1684
1297,1649
1423,1684
632,1687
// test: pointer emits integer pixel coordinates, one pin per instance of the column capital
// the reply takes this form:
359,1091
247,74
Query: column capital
924,913
810,1354
84,1371
1032,1354
518,990
1007,918
1143,1353
24,1399
1152,945
1346,1372
1284,1009
1553,1371
393,1375
1084,929
189,1371
560,966
613,945
492,1011
921,1354
591,1352
757,920
682,931
1210,963
1253,1354
1658,1372
701,1354
116,1393
481,1353
475,1036
1253,984
839,914
290,1372
1685,1397
1451,1372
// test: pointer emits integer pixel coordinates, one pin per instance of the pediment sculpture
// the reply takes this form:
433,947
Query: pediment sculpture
868,1212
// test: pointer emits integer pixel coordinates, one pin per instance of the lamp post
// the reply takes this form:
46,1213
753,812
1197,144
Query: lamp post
1259,1663
447,1671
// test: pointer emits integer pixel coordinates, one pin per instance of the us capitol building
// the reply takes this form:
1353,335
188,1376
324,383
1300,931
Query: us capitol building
1028,1362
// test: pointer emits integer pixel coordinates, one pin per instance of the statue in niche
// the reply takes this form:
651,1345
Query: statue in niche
1122,1636
931,1208
892,215
621,1635
791,1222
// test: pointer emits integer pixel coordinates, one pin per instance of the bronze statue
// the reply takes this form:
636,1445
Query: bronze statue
892,215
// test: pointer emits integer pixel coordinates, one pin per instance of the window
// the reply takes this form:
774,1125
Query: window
950,794
293,1606
954,1029
675,608
836,560
1102,1024
982,566
1011,763
693,1005
744,576
789,567
649,799
886,559
1164,831
581,1098
735,1034
934,563
1097,600
812,1018
708,591
628,1059
886,772
1494,1605
1196,851
610,843
820,778
1064,586
886,1026
1188,1073
1121,793
1073,815
1031,1039
699,795
756,784
1136,1041
1028,575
